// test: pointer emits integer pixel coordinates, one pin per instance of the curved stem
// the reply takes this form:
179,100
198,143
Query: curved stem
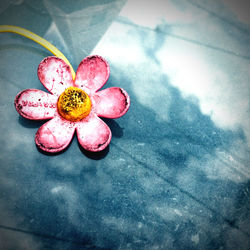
39,40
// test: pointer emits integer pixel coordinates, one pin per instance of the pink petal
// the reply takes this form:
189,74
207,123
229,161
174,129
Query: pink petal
54,74
92,73
111,103
55,135
93,134
35,104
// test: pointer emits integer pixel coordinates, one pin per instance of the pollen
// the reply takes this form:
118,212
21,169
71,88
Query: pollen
74,104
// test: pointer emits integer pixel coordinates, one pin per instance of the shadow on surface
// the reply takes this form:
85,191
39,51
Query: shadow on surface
94,155
178,140
30,123
86,243
164,30
221,18
114,126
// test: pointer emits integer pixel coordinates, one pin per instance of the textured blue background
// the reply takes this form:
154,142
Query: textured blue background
176,174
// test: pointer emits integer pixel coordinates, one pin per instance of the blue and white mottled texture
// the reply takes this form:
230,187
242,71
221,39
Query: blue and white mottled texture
176,174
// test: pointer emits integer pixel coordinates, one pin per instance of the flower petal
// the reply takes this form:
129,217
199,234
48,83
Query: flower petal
111,103
92,73
35,104
55,135
54,74
93,134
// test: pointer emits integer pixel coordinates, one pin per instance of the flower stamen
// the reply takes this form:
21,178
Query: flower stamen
74,104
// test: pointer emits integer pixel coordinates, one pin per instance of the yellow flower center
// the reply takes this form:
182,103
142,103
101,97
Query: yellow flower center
74,104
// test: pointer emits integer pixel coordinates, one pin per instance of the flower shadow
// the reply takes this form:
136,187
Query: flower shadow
94,155
116,130
30,123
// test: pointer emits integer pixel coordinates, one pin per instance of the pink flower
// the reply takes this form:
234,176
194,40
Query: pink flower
73,105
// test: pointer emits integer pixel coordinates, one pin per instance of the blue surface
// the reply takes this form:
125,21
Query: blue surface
176,174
